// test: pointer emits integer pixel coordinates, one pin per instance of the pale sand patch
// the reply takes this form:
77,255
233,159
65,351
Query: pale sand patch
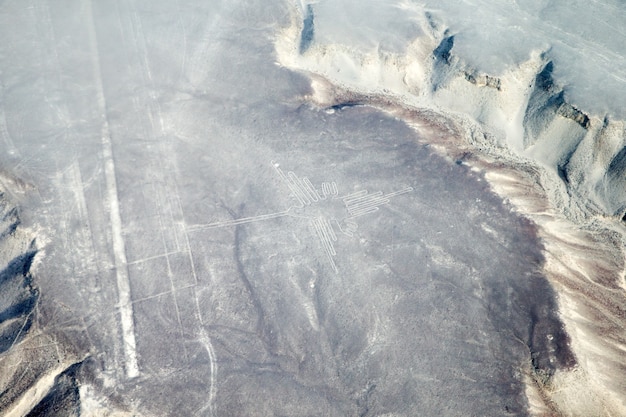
121,266
94,405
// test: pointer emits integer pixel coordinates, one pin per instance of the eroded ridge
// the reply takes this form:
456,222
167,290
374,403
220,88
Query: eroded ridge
33,358
321,207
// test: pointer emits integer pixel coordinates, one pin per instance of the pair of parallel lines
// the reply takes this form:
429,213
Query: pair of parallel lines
302,188
361,203
327,236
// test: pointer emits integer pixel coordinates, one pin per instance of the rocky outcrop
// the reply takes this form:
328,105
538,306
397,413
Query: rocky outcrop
38,366
63,398
18,295
483,80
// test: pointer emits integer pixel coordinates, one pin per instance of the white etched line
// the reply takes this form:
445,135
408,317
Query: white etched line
349,230
121,267
318,230
236,222
79,191
294,178
81,202
150,258
151,297
170,276
294,192
335,191
186,236
353,196
327,239
205,340
312,191
365,198
289,184
325,189
332,263
325,245
119,250
170,211
365,211
301,186
19,333
139,300
329,227
403,191
369,203
329,244
363,207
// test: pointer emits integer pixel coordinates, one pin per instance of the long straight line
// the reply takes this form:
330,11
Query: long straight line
327,239
294,191
314,194
238,221
295,181
119,248
369,203
325,244
368,197
354,196
302,186
399,192
364,211
329,227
